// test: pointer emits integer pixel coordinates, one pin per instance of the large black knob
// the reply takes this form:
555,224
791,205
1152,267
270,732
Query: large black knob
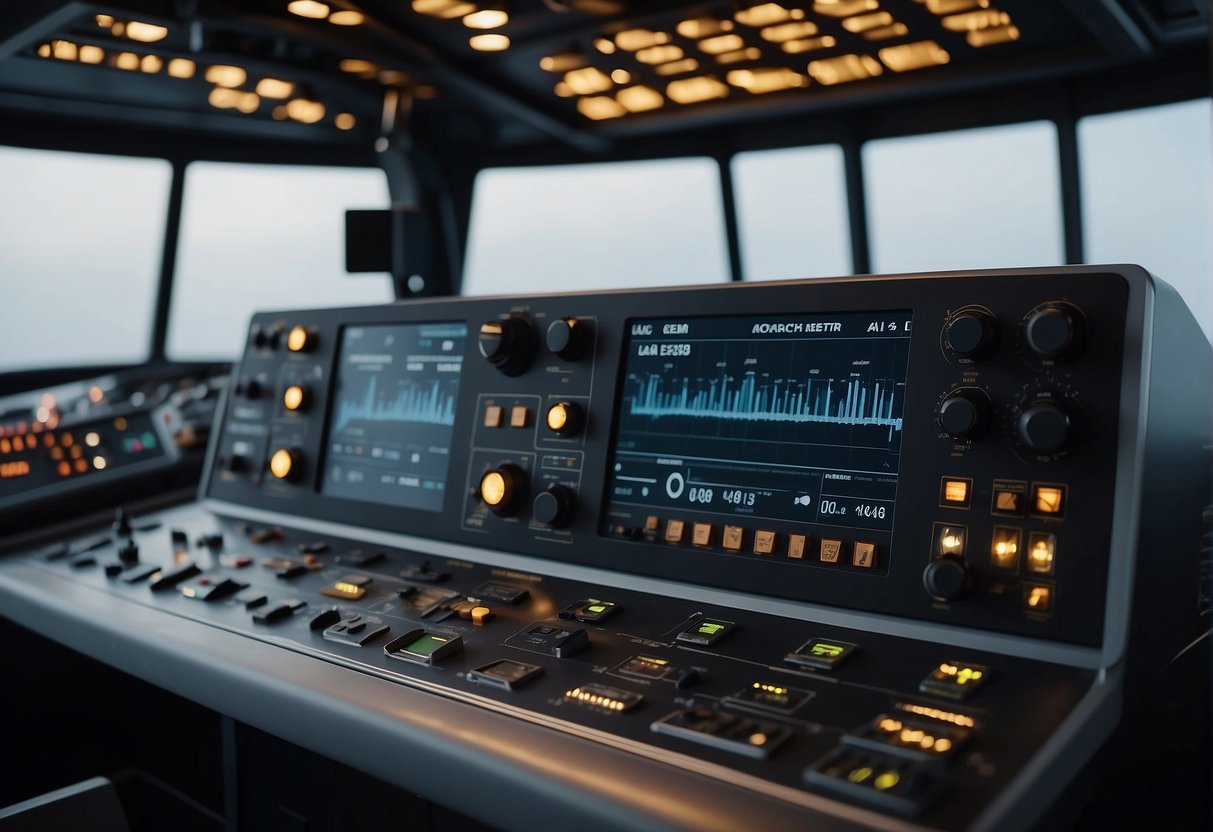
508,344
946,579
1054,331
1044,426
567,338
554,507
971,334
964,413
503,488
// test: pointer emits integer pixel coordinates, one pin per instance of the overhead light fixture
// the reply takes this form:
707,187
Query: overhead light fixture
639,99
907,56
151,64
759,81
44,50
894,30
703,27
605,45
588,80
562,61
677,67
763,14
845,8
444,9
797,47
843,68
972,21
632,40
563,90
347,17
127,60
493,17
621,76
942,7
345,121
308,8
659,54
222,75
305,110
990,37
864,22
65,50
90,54
721,43
788,31
697,89
274,88
357,66
489,43
145,32
104,20
248,102
600,107
750,53
181,68
223,98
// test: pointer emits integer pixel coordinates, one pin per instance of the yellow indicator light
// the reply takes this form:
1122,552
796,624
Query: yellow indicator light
788,31
864,22
281,463
677,67
181,68
274,88
975,21
492,488
952,541
445,9
632,40
347,17
588,80
127,60
760,81
151,64
1004,548
347,587
750,53
600,108
298,339
65,50
489,43
659,54
797,47
12,470
92,439
941,7
621,76
248,102
694,90
639,99
844,68
481,616
99,463
7,447
605,45
721,43
1049,499
943,745
562,62
91,54
345,121
357,66
703,27
44,51
944,716
894,30
992,37
886,780
563,90
1040,553
223,98
292,398
222,75
308,8
558,417
104,20
486,19
758,739
846,8
1040,598
64,469
763,14
189,592
145,32
860,774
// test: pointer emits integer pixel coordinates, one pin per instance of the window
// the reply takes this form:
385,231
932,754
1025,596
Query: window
603,226
80,253
1146,180
261,237
983,198
792,213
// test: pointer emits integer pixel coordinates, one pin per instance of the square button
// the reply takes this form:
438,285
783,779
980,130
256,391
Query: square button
831,550
1038,598
651,523
706,632
493,416
764,542
1042,547
796,546
674,530
1010,497
1004,548
520,415
954,680
1048,499
949,540
864,555
955,492
733,538
701,534
821,653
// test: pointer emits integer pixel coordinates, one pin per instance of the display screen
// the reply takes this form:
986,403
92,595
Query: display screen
393,413
764,423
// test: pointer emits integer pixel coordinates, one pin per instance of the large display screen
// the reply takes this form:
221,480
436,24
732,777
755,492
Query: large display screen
393,413
768,422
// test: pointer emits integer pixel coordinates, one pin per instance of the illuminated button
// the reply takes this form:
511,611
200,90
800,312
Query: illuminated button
954,680
565,419
955,493
296,397
494,414
674,530
764,543
1009,497
796,546
1048,499
506,674
732,538
823,654
604,697
914,738
949,540
520,415
423,647
501,488
481,616
1004,548
651,523
831,550
1041,549
300,339
864,555
286,464
701,534
590,610
1038,599
706,632
349,588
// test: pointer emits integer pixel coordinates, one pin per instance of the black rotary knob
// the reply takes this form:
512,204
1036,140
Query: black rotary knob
502,489
1043,426
971,334
1054,331
565,418
554,507
252,388
946,579
566,337
964,413
508,344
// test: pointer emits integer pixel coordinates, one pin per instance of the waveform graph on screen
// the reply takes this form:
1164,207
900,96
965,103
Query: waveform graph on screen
426,404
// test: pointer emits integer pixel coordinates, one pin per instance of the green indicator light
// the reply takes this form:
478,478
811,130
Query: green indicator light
821,649
651,660
860,774
426,645
597,608
709,629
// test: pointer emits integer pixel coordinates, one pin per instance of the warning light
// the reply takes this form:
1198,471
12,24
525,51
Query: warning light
1039,598
955,493
1041,549
1048,499
1004,548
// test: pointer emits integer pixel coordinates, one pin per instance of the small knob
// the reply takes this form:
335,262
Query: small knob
964,413
129,553
260,339
508,344
503,488
251,388
972,334
946,579
297,397
565,418
566,338
300,339
1054,331
554,507
122,524
1043,426
235,464
287,464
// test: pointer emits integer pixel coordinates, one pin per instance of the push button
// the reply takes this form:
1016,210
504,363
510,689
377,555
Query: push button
1038,598
590,611
559,641
520,416
732,538
354,630
864,555
954,680
1042,547
505,674
726,731
821,654
949,540
797,543
764,543
422,647
701,534
169,578
502,593
1009,498
278,611
349,588
324,619
1004,549
706,632
955,492
494,415
674,530
1048,500
208,589
831,550
604,697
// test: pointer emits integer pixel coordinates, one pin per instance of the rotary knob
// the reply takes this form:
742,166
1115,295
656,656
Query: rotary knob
565,418
508,344
964,413
503,488
566,337
1043,426
297,397
287,464
300,339
1054,331
946,579
971,333
554,507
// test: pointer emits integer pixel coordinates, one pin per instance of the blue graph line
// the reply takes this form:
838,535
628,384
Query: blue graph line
427,406
811,402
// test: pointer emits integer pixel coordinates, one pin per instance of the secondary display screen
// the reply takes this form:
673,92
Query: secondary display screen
393,413
773,422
